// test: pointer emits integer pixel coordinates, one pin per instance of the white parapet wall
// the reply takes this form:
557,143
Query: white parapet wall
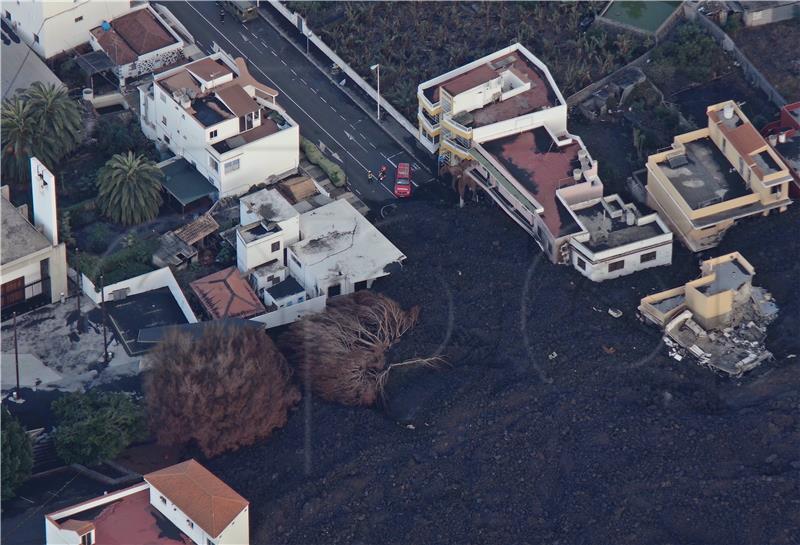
161,278
287,315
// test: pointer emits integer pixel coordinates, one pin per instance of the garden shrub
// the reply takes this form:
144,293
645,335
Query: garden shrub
100,237
316,157
17,455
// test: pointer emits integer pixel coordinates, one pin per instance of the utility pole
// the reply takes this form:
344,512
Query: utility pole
103,306
16,358
307,36
377,68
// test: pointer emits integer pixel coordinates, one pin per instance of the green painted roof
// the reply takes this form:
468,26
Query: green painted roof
184,183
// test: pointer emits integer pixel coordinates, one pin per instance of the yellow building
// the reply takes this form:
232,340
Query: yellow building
725,283
714,176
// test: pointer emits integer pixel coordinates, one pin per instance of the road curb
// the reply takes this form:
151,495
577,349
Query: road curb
346,90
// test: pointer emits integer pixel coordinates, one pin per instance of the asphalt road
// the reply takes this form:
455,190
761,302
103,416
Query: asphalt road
327,116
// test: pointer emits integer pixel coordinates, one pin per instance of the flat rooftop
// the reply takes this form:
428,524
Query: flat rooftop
270,205
267,128
339,241
285,288
542,167
703,175
141,311
538,97
790,151
729,275
18,237
606,232
130,519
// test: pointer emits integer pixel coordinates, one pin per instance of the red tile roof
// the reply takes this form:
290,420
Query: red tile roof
130,519
225,294
133,35
204,498
541,167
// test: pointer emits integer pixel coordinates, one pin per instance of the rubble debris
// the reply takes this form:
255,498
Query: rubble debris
552,355
719,319
615,312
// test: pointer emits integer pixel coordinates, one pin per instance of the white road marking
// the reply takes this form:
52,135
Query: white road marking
243,37
390,161
430,180
265,45
343,117
359,121
286,95
362,136
304,81
293,72
323,100
273,52
332,108
396,154
254,35
283,61
313,90
373,145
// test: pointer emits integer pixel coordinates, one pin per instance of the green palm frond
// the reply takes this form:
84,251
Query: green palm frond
129,189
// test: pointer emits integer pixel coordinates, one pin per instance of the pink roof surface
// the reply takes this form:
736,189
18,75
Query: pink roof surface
541,167
225,294
130,519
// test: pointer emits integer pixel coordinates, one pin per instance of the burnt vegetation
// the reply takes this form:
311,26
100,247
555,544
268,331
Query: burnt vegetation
224,390
342,352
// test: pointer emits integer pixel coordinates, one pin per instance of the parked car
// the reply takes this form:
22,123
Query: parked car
402,181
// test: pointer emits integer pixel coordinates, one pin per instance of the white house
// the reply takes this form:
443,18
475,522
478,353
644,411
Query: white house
33,263
617,240
340,251
224,122
503,93
173,505
268,224
54,27
138,42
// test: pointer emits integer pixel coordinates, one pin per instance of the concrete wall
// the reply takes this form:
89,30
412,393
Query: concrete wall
771,15
161,278
597,264
287,315
56,536
45,215
555,119
60,25
178,517
238,531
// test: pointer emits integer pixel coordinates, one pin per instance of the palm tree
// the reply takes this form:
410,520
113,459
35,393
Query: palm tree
129,188
56,114
21,139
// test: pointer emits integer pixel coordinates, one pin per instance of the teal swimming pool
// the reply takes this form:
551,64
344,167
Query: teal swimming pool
647,16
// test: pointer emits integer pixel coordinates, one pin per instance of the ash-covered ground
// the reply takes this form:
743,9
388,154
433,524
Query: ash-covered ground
610,441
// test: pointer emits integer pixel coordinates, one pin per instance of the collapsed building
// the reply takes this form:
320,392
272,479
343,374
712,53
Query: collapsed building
720,318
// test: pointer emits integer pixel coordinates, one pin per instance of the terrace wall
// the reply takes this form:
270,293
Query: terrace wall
287,315
161,278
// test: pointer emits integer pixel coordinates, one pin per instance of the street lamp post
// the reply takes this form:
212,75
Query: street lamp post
307,37
377,68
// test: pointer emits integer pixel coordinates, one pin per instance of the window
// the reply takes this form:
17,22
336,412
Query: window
231,166
581,263
209,542
36,38
212,134
776,190
334,290
649,256
213,164
164,120
166,139
300,299
296,262
88,538
79,19
616,265
8,15
276,246
189,523
163,500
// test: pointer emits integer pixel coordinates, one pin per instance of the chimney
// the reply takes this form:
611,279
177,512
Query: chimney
45,215
727,111
630,217
782,137
576,174
773,139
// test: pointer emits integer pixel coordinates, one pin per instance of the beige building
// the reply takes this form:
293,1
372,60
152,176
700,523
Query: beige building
714,176
33,264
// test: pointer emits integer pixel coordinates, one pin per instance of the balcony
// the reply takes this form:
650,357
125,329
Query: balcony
434,108
425,121
457,124
457,148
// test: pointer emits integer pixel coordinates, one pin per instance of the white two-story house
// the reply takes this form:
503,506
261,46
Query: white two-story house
180,504
223,121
